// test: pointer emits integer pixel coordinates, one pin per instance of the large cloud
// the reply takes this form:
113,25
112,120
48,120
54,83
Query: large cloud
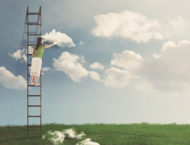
9,80
62,39
138,27
71,64
128,24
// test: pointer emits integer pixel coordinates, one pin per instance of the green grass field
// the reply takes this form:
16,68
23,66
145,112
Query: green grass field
104,134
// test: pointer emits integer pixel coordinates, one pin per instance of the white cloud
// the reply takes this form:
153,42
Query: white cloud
87,141
129,60
97,65
19,55
9,80
138,27
170,71
128,24
115,77
124,69
71,64
94,75
62,39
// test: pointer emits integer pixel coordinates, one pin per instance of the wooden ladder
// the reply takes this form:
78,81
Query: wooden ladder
29,57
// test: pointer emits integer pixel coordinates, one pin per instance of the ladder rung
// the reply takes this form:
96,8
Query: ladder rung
40,75
34,86
34,116
33,126
33,13
34,95
34,105
33,23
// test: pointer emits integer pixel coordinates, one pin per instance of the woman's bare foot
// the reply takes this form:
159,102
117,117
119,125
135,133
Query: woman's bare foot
37,84
32,84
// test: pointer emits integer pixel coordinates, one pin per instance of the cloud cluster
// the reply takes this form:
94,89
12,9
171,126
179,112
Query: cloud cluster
62,39
58,137
128,24
9,80
168,70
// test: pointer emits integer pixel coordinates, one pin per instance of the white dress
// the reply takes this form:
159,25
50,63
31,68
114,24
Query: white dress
36,66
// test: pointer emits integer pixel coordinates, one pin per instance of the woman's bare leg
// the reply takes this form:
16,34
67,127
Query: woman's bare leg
32,79
36,80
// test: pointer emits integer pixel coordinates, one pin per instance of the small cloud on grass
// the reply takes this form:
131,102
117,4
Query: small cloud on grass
87,142
58,137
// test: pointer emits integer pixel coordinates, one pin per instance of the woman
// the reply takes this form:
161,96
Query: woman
37,55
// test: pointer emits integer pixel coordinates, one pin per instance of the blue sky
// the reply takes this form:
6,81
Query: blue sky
142,47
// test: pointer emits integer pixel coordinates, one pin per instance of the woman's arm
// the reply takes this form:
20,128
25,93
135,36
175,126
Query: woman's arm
50,45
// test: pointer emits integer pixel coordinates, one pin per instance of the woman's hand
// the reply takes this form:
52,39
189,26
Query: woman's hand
50,45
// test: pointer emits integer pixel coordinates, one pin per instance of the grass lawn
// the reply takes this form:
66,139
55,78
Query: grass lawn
104,134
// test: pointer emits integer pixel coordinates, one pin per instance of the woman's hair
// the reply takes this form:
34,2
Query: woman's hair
39,41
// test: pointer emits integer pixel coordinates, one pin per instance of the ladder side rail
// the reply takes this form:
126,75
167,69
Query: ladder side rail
27,71
40,11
